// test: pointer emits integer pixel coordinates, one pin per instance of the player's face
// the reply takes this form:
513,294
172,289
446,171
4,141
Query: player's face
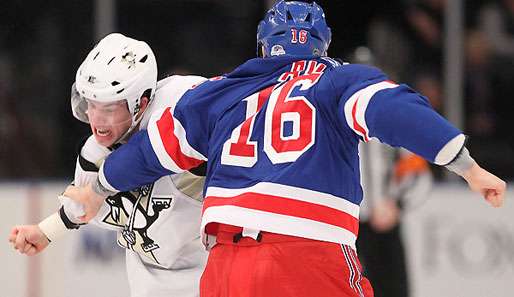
108,121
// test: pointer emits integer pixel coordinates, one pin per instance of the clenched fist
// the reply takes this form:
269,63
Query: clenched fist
488,185
28,239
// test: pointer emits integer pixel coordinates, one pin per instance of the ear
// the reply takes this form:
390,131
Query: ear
143,105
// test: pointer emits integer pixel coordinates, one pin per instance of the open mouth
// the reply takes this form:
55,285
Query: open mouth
103,132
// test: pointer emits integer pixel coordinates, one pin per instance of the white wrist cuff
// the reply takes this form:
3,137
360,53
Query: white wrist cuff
450,150
53,227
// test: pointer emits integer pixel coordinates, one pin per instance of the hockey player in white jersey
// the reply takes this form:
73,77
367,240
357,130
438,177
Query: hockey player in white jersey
115,91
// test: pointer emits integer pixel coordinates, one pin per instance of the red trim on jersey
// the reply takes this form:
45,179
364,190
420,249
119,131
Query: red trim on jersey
264,96
166,128
296,68
242,147
289,207
356,124
315,68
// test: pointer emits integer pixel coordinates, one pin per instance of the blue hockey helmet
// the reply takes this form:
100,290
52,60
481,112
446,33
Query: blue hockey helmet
293,28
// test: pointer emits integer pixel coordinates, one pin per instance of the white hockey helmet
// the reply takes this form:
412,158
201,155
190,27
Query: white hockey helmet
117,68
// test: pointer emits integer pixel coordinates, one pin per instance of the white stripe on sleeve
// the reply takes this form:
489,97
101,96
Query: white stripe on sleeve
355,107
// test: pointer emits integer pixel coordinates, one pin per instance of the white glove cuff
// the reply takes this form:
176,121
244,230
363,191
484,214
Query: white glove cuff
53,227
72,209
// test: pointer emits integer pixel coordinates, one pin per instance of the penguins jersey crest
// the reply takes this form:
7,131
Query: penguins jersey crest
136,212
156,220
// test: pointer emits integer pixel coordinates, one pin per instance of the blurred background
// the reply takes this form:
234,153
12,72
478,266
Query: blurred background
458,53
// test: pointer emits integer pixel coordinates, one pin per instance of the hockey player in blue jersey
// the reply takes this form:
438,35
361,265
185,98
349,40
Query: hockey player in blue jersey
280,134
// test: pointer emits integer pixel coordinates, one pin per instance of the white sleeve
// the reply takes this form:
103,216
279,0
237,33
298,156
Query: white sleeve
168,93
91,156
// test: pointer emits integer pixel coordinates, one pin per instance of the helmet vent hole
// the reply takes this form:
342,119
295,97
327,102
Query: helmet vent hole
143,59
120,91
308,18
96,55
279,33
110,60
289,16
115,83
304,1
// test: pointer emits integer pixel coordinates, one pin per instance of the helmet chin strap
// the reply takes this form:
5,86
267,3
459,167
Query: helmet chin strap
124,138
135,122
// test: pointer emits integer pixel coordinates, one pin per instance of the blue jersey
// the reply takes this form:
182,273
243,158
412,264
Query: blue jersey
281,139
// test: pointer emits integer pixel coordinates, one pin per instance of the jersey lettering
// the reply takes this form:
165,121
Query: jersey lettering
303,68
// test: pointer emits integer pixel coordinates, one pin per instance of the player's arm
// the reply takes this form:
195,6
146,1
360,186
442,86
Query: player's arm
32,239
402,117
167,147
132,165
480,180
161,150
399,116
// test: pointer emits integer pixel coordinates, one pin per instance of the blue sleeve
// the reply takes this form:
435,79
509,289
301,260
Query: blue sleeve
172,143
193,112
401,117
372,106
134,164
350,77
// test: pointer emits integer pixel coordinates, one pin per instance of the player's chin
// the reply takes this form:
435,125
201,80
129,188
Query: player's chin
105,140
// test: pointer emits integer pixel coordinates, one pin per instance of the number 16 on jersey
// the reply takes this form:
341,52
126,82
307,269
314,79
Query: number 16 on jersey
282,108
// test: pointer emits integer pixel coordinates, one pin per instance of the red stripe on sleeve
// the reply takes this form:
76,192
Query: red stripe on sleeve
171,143
356,124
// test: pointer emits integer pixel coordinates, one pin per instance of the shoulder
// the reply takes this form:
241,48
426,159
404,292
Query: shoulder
355,73
350,78
176,85
179,81
93,152
168,93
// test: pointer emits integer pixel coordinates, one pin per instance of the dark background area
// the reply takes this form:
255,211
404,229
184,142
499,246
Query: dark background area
42,43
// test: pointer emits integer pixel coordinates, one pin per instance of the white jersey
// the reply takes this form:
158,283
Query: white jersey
159,223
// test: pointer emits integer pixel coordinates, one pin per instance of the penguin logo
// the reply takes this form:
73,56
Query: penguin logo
136,212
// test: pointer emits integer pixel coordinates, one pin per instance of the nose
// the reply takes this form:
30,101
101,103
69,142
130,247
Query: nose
97,117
